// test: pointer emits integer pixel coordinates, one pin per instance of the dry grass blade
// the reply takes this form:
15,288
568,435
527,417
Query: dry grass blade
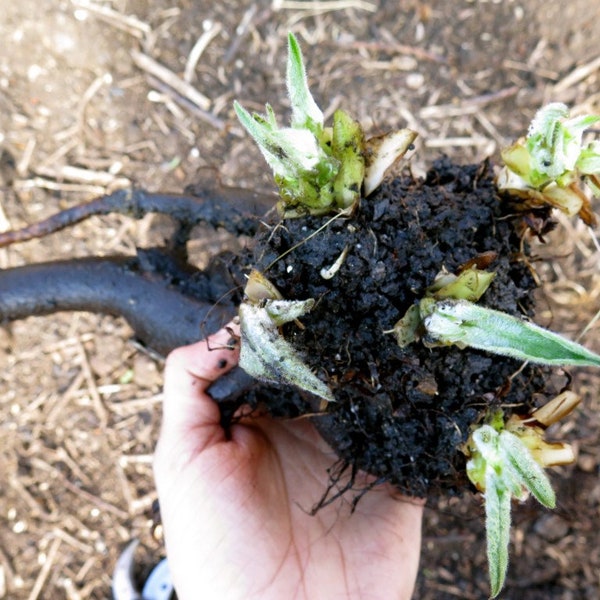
128,23
24,185
198,49
45,570
468,106
154,68
102,179
323,5
578,74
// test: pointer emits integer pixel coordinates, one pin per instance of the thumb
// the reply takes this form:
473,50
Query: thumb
191,419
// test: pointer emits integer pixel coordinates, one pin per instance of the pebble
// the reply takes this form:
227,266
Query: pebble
414,81
551,527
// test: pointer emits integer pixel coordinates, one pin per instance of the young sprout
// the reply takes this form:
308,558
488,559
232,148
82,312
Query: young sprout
470,284
465,324
506,461
264,353
320,169
547,166
448,315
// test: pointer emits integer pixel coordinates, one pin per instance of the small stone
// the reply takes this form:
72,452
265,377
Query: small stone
414,81
551,527
587,463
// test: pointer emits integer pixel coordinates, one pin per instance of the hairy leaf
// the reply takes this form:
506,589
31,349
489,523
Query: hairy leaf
305,112
497,528
528,471
466,324
267,356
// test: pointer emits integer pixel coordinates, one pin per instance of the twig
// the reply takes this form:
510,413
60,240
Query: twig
392,48
141,505
529,68
323,5
135,405
140,459
232,208
468,106
199,47
79,491
240,33
124,485
23,165
45,570
578,74
35,509
7,564
4,222
69,539
57,346
81,575
592,322
489,127
174,97
47,184
148,64
56,406
457,141
92,90
60,152
84,176
128,23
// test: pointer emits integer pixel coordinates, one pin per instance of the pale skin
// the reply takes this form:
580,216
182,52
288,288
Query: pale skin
235,508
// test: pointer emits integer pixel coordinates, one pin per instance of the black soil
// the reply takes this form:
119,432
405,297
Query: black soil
402,414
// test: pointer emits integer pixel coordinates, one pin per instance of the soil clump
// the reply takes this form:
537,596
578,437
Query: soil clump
402,414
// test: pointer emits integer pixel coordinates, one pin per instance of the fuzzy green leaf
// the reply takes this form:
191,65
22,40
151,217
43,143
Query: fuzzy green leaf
302,169
554,141
261,130
266,355
497,529
589,159
502,466
546,168
305,112
529,472
466,324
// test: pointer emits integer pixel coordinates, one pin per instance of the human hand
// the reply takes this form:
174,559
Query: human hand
234,507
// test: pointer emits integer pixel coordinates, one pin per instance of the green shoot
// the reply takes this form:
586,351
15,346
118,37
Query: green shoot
266,355
320,169
546,167
506,460
305,112
464,323
264,352
448,315
503,467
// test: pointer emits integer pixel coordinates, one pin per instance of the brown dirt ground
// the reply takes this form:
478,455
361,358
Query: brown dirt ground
80,404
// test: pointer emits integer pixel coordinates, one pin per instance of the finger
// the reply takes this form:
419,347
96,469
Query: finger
189,372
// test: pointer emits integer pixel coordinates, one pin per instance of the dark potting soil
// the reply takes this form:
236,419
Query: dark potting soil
401,414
